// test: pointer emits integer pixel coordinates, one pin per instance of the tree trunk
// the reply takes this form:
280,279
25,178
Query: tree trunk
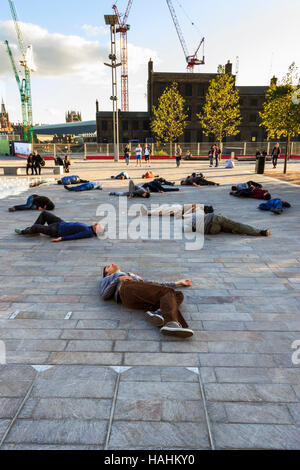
170,150
287,153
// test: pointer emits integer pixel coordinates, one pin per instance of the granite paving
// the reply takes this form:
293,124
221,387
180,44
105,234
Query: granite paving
81,373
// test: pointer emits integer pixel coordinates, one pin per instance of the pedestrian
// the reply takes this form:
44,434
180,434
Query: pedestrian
160,301
38,162
67,163
275,154
178,155
127,154
211,155
29,164
60,230
147,153
34,202
138,155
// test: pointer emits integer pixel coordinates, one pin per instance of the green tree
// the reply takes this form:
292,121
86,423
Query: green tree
221,111
169,118
281,110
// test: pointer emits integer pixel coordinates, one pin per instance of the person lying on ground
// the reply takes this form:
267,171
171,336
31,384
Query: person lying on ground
121,176
197,181
252,192
84,186
164,181
60,230
216,223
247,185
34,202
133,191
72,179
149,174
160,301
156,187
274,205
176,210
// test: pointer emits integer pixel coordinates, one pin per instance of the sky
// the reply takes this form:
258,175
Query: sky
71,43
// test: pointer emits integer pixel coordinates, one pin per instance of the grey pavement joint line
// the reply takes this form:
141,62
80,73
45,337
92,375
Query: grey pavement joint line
112,412
17,413
211,439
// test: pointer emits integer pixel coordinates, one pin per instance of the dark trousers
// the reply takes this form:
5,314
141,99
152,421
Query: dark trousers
29,205
142,295
37,169
274,160
27,168
51,229
178,160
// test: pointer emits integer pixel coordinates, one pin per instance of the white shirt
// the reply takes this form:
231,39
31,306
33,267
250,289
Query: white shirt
138,151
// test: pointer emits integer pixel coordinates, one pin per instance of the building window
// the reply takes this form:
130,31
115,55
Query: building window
145,125
199,108
188,89
241,102
238,137
135,125
125,125
201,89
189,114
104,125
199,136
211,138
254,136
252,118
253,102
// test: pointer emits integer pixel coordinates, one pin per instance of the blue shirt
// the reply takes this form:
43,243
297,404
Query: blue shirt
75,230
271,204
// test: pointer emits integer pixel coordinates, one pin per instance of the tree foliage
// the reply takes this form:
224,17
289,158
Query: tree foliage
169,118
221,112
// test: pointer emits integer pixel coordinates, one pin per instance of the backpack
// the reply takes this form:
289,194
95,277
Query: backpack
149,174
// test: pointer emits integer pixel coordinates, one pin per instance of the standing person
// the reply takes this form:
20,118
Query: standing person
217,155
67,163
275,154
160,301
127,154
60,230
178,155
211,155
138,154
29,164
38,162
147,153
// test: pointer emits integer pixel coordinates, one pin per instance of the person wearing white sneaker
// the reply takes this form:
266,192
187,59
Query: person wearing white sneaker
135,293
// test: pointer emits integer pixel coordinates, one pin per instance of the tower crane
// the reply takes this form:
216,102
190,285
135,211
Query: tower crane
24,84
122,28
191,60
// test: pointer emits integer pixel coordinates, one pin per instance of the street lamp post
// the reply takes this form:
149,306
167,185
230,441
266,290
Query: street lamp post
113,20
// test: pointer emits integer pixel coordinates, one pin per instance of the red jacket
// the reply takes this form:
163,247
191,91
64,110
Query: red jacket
258,193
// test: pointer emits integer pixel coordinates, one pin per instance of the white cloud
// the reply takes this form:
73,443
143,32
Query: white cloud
94,30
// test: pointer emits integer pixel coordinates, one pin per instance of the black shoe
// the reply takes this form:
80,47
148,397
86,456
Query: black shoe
208,209
66,187
11,209
265,233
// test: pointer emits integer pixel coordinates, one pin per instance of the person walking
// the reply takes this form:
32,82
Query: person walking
178,155
38,162
160,301
138,155
275,154
127,154
147,153
60,230
211,155
29,164
217,155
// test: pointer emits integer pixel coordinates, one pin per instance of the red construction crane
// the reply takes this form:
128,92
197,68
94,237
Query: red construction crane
122,28
191,60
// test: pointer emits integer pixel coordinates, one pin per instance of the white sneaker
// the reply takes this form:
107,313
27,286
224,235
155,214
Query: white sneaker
154,317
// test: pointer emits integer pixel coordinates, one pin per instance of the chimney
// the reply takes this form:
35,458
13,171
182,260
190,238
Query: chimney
274,80
97,106
228,68
150,67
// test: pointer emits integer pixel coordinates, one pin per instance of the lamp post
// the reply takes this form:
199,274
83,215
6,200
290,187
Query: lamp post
112,21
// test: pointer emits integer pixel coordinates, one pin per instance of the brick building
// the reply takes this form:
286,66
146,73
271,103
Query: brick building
135,125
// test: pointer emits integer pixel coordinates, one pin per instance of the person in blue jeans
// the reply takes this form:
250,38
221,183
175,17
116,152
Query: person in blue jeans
60,230
34,202
84,187
275,205
72,179
121,176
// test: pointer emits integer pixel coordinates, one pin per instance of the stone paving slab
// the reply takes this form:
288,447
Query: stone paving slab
114,382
